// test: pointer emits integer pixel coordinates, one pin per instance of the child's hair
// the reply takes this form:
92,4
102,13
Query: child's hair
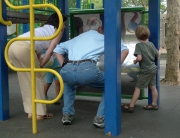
78,23
54,20
142,32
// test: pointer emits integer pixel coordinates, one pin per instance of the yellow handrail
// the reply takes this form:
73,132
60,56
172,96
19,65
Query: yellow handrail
9,23
33,69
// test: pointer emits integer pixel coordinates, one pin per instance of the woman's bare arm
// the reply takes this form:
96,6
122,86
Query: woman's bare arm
49,51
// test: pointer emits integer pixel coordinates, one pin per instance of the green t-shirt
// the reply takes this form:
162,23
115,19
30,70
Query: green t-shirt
148,52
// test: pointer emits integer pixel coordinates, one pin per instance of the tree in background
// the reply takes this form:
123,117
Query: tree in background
144,3
97,3
72,3
125,3
172,73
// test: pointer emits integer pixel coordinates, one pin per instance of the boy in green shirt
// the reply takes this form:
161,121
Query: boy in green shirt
145,53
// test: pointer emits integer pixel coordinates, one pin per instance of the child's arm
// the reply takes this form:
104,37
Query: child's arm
138,59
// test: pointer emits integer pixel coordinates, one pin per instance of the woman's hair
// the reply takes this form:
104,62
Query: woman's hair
142,32
54,20
93,24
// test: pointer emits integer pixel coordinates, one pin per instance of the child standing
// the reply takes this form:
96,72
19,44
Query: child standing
50,77
145,53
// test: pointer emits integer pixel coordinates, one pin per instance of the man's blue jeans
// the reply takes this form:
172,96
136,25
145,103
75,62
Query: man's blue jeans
85,73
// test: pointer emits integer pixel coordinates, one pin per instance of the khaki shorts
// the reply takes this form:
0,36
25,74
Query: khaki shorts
145,80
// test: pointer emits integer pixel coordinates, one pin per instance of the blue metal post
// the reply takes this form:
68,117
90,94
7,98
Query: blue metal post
78,4
64,6
4,88
25,26
92,5
112,16
154,26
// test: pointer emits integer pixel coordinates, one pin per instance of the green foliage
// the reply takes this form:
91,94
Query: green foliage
135,3
125,3
72,3
144,3
97,3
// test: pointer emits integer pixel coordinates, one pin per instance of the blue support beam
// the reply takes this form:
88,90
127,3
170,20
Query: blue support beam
154,27
25,26
64,6
92,5
78,4
4,88
112,17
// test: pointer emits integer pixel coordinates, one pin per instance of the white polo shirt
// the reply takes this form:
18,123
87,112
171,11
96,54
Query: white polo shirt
44,31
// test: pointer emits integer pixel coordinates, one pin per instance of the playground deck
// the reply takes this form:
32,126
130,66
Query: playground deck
163,123
21,17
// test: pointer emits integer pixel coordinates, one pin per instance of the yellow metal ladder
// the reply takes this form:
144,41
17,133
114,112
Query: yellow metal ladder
32,39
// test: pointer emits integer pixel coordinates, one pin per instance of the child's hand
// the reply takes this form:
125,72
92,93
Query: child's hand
160,49
135,61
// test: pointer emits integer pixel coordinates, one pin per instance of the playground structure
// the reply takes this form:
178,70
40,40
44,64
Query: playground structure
112,35
21,17
128,68
33,69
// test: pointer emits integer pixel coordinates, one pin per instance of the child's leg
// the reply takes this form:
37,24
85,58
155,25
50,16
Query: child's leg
57,86
49,80
135,97
57,89
154,95
56,81
130,108
139,84
152,85
46,88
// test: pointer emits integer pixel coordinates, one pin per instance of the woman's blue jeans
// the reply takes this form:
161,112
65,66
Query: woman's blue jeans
85,73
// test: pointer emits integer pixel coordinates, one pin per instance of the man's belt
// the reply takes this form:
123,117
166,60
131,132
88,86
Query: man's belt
80,61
